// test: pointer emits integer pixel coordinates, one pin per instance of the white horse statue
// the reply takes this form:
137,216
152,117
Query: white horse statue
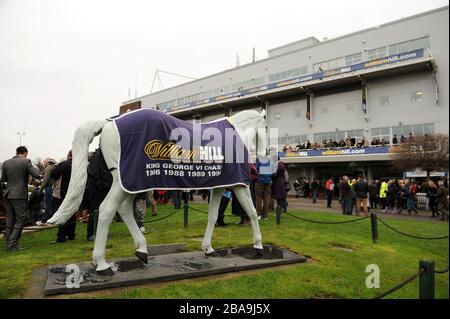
118,200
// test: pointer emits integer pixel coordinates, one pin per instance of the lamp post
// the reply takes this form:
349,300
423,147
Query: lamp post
20,137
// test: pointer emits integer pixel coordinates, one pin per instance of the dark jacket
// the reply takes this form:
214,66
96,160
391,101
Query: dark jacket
373,190
36,198
345,189
278,185
15,173
63,170
361,188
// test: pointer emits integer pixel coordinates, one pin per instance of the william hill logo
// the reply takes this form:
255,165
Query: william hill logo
159,150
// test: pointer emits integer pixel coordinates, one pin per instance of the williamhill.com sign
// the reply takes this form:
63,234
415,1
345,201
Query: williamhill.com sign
339,152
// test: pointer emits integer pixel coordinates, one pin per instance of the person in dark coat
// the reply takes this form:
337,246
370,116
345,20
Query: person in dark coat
63,171
279,186
373,194
315,190
346,194
431,194
442,200
306,188
226,196
15,173
98,185
35,203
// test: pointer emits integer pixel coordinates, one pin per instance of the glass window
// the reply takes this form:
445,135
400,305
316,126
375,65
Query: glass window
353,59
328,65
356,134
397,130
409,45
416,97
288,74
406,129
428,128
403,47
417,129
215,92
393,49
247,84
377,53
385,131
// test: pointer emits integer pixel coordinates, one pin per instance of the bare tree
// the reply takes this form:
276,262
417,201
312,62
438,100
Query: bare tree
428,153
39,164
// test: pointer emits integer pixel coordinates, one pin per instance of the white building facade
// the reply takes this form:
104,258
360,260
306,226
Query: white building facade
374,83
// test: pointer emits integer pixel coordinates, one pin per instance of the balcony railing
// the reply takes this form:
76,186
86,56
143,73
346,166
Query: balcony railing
371,64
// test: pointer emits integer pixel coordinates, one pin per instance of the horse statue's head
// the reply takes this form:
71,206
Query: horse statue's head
251,127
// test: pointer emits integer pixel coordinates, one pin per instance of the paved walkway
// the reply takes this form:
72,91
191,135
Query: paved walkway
321,206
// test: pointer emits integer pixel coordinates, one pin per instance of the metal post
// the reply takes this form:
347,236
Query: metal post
426,279
186,207
278,215
374,227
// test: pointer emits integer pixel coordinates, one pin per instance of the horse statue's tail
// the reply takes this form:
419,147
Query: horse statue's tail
80,149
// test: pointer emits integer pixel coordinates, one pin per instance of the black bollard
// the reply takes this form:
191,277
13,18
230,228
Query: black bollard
426,280
374,226
186,207
278,215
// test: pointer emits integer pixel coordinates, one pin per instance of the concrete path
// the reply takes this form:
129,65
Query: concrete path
321,206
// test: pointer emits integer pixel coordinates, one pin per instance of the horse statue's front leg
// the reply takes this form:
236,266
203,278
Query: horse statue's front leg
213,211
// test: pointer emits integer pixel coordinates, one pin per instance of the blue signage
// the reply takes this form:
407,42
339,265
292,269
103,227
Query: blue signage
395,58
338,152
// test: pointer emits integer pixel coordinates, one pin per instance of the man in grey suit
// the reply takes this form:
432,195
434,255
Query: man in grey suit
15,173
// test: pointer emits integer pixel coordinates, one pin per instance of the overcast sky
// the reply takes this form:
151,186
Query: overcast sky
63,63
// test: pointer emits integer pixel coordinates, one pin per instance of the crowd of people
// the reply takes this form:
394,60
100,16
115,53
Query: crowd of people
30,196
349,142
269,185
388,195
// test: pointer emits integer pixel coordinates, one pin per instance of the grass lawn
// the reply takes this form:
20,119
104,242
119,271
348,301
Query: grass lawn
339,255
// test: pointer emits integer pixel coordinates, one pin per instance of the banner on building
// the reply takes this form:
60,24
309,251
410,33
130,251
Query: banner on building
395,58
339,152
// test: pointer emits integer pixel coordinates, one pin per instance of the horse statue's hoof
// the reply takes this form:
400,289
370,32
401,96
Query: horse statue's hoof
105,272
211,254
142,257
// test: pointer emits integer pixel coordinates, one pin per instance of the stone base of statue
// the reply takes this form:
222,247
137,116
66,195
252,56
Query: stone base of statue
81,277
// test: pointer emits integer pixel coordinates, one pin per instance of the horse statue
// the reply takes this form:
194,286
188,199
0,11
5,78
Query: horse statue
249,126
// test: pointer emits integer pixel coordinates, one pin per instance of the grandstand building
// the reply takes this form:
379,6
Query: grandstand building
392,79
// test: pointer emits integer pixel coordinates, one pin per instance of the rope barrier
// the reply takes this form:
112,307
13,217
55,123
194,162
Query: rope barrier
329,222
164,217
198,210
441,271
408,235
400,285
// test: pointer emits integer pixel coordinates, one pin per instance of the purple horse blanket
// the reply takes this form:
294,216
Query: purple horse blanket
159,151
